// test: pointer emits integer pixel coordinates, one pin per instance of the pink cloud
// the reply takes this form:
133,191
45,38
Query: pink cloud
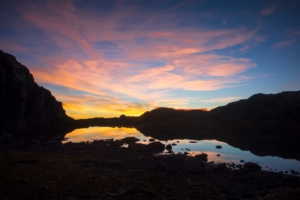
181,53
221,100
284,43
268,10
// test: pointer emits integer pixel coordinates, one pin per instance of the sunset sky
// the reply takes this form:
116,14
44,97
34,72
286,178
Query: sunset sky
106,58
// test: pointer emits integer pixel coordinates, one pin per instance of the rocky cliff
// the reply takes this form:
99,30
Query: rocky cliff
27,109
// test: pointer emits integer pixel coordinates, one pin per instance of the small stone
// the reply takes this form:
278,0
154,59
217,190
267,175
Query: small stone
169,147
252,166
219,147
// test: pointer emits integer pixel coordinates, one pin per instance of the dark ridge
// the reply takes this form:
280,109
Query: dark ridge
282,106
26,109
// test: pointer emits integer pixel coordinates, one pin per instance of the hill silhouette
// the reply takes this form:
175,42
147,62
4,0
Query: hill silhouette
26,108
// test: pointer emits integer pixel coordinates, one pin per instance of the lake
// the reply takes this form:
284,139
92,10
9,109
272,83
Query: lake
226,154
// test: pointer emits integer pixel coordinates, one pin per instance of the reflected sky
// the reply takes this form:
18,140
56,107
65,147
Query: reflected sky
226,154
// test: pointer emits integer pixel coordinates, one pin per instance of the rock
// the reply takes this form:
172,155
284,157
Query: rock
294,172
169,147
283,193
129,140
243,192
138,147
218,154
172,163
208,167
26,107
113,163
192,164
151,140
202,156
7,137
242,161
291,179
219,147
193,141
174,144
220,167
115,143
156,147
251,166
28,161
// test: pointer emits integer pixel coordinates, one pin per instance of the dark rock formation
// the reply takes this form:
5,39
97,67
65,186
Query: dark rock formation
252,166
26,109
156,146
202,156
169,147
282,106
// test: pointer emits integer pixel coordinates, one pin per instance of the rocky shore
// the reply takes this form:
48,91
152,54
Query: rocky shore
48,169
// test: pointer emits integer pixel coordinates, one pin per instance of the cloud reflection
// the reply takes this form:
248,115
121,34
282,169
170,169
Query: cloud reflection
98,133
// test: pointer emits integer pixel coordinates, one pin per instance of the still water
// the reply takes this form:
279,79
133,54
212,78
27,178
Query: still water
226,154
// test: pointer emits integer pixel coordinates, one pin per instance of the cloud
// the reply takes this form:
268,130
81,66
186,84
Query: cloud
283,44
222,100
268,10
244,48
128,59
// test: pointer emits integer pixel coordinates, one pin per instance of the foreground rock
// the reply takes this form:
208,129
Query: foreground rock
26,109
95,170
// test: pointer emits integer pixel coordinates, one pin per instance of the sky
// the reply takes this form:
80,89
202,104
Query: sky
111,57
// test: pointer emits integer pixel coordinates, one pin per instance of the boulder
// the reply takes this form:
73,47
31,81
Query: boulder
169,147
251,166
156,147
129,140
202,156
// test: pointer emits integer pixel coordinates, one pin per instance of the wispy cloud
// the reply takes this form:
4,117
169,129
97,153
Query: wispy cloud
284,43
268,10
222,100
126,53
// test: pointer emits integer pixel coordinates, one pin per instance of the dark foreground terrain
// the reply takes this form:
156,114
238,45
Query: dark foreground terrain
38,169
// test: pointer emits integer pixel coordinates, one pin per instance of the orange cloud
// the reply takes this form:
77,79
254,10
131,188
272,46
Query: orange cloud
128,67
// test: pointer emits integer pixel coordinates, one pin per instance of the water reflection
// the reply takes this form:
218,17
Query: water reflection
98,133
226,154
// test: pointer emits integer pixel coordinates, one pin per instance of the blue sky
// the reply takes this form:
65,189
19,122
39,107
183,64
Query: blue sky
107,58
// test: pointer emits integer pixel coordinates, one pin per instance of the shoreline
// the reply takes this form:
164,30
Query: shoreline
98,171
